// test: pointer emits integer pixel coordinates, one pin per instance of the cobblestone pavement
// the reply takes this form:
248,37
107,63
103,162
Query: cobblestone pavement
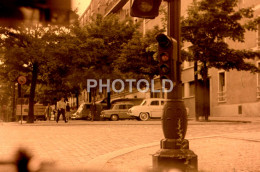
75,145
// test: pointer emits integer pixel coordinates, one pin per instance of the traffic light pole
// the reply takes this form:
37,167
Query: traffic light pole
175,152
174,31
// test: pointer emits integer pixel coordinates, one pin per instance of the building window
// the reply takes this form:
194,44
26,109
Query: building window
155,95
222,87
155,103
188,89
258,81
191,88
127,13
183,95
188,64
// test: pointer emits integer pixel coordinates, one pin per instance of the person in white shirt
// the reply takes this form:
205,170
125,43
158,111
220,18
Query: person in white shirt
61,106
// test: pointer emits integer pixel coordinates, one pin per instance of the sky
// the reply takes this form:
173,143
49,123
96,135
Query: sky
81,5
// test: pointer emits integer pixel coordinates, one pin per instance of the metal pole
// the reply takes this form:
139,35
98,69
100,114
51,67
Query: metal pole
21,106
14,104
174,31
174,152
21,110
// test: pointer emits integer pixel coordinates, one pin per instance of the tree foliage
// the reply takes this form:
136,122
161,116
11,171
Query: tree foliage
139,56
209,24
30,51
58,60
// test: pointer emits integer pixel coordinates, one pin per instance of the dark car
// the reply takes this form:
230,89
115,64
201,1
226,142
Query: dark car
84,111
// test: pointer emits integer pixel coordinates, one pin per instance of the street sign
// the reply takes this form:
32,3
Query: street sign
21,80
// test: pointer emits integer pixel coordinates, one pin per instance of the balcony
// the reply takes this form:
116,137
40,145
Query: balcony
114,6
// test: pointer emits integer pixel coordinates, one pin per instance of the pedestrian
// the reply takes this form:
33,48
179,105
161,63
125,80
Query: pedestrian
68,111
93,109
48,111
61,106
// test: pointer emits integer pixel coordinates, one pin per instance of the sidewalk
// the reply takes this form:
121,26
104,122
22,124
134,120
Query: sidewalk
217,153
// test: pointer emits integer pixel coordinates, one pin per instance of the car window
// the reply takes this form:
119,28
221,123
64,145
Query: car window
162,102
129,106
122,106
114,107
155,103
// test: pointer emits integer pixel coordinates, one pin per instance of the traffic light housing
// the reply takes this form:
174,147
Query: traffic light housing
167,54
13,12
145,8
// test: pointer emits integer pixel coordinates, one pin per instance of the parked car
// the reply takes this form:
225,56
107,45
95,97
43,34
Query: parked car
84,111
149,108
117,111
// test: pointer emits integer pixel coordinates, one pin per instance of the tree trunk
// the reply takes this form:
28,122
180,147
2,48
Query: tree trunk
205,91
108,100
90,97
196,90
14,104
32,93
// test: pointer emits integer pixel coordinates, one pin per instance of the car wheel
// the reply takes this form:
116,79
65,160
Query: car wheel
144,116
114,118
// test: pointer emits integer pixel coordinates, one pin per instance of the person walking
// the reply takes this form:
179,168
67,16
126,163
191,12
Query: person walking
68,111
48,111
61,106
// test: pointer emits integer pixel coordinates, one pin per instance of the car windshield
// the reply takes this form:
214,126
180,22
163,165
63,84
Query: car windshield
143,103
80,108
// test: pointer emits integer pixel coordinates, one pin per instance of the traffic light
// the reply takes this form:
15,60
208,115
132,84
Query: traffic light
145,8
48,11
54,11
167,53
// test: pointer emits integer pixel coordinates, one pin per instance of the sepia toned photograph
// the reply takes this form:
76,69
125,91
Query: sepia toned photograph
129,85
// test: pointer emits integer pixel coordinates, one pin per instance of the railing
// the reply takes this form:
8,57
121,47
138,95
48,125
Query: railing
222,96
110,5
114,6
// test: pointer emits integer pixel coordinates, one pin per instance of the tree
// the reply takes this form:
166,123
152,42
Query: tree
30,51
208,25
99,45
139,56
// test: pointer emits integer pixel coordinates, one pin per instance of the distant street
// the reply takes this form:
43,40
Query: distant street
75,143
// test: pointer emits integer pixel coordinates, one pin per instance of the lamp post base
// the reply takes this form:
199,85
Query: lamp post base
175,155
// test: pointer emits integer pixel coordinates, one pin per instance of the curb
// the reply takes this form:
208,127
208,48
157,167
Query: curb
98,163
129,122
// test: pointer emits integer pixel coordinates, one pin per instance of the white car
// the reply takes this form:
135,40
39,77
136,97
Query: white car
149,108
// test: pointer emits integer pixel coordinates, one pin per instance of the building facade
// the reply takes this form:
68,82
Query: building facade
231,93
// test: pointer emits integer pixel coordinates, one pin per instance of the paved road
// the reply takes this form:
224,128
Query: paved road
74,145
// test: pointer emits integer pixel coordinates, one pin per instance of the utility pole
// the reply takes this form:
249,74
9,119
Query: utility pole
174,152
